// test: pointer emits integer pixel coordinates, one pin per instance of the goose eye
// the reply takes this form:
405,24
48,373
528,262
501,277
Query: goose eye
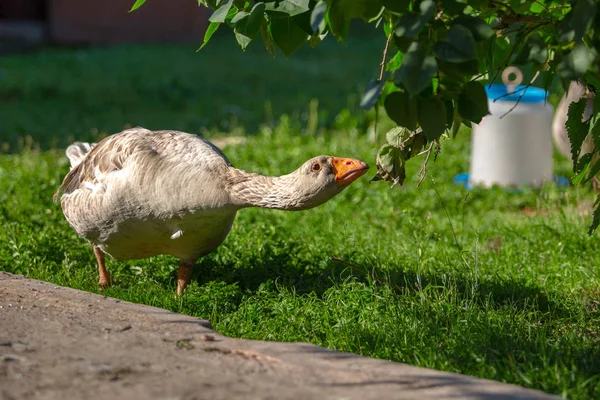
316,167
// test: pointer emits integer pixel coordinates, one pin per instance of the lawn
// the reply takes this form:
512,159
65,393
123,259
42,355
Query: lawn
498,285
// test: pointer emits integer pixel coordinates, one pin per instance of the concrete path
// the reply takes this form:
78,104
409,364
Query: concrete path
60,343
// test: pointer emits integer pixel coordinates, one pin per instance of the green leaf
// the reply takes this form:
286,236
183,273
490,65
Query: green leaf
473,102
593,169
459,71
547,80
410,24
575,64
397,137
401,109
287,35
221,13
409,143
339,14
576,129
137,4
449,113
242,39
390,165
303,22
241,36
398,6
239,16
289,7
267,39
459,45
418,68
317,17
371,93
478,28
578,21
254,20
582,168
534,51
596,217
478,4
371,9
453,7
432,117
212,28
395,62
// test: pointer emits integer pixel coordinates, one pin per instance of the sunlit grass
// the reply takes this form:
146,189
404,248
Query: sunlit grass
483,282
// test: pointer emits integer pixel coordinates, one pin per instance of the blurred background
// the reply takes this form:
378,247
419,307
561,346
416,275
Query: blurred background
73,70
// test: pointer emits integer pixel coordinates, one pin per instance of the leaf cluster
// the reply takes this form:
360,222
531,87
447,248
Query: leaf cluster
438,54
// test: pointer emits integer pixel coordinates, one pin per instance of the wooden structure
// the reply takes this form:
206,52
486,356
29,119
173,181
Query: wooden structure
108,21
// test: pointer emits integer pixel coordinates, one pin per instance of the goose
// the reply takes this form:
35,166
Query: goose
141,193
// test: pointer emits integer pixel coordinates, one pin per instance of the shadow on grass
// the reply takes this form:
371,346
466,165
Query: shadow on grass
279,263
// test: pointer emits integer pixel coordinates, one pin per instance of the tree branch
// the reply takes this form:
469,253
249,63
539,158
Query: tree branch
384,58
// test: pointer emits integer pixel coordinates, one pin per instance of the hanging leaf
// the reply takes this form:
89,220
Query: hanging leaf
212,28
410,24
288,7
575,64
473,102
303,22
578,21
240,34
459,45
339,14
390,166
459,71
239,16
449,113
286,34
534,51
398,6
255,20
432,117
418,68
401,109
317,17
371,93
453,7
479,29
137,4
595,217
397,136
576,129
410,143
220,14
267,39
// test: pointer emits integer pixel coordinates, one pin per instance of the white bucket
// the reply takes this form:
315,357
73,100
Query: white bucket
513,146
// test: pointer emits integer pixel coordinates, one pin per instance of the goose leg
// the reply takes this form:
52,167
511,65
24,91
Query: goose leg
184,274
104,280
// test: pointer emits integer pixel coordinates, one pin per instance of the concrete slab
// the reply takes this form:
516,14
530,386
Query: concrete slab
61,343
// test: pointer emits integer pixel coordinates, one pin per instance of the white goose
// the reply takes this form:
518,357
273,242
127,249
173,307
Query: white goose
140,193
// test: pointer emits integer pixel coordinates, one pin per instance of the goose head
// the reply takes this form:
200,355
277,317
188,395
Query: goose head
323,177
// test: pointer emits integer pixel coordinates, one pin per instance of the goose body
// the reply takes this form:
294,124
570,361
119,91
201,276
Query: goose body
140,193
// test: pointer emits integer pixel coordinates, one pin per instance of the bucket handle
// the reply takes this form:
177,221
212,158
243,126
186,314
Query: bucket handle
512,84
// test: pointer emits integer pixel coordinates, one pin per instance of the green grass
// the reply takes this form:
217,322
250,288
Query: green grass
435,276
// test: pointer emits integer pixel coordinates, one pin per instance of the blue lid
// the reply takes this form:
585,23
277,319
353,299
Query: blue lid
521,93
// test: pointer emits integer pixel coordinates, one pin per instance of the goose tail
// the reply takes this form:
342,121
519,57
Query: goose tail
77,152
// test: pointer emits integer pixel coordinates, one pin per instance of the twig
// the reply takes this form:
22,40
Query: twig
423,170
383,59
512,50
516,103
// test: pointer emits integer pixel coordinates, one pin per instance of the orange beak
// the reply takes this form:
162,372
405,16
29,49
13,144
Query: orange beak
347,170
